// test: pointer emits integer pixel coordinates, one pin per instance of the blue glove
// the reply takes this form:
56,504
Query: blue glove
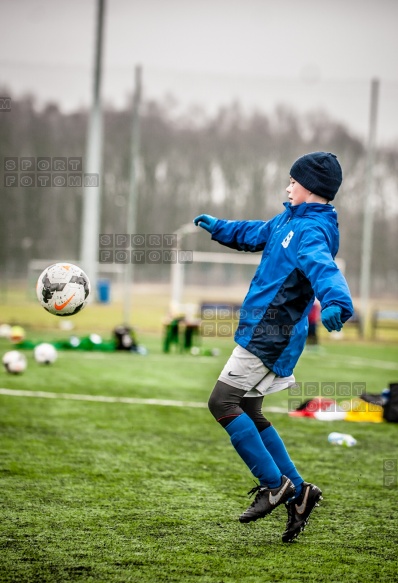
207,222
331,318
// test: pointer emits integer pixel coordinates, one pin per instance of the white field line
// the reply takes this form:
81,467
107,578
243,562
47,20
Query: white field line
357,361
104,399
102,355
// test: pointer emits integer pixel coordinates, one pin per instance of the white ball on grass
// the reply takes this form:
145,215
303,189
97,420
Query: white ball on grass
45,353
14,362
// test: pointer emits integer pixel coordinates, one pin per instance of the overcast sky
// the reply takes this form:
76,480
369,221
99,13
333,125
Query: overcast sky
304,53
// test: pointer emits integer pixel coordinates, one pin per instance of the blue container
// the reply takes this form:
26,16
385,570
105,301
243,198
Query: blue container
104,291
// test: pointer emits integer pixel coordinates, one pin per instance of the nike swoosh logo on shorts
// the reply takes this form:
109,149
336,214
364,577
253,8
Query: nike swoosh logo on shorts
275,499
231,374
300,509
61,306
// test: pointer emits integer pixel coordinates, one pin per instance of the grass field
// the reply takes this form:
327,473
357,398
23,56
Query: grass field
117,492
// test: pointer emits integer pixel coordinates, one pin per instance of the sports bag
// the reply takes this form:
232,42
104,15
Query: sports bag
390,412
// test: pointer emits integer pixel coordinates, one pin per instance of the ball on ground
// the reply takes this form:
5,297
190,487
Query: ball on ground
14,362
45,353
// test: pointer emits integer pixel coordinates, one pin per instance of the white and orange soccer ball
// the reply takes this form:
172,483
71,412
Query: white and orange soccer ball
63,289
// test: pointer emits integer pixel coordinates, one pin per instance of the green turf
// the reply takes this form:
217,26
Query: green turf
110,492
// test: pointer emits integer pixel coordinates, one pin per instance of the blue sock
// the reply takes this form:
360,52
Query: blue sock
274,444
247,441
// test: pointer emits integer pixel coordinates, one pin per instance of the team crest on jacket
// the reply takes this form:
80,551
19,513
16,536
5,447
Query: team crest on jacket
287,239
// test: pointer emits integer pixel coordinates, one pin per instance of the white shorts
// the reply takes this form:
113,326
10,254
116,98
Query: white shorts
245,371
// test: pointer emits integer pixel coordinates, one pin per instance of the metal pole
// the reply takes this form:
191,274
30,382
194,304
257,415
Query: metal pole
132,199
368,207
92,186
177,284
177,271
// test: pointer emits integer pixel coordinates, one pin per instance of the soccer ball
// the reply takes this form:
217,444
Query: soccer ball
63,289
45,353
14,362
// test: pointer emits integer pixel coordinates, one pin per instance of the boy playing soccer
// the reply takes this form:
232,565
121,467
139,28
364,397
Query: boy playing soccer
297,265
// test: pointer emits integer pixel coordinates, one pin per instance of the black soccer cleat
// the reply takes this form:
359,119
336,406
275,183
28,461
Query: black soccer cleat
267,499
299,510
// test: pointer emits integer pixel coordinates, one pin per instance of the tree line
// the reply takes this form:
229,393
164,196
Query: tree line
232,165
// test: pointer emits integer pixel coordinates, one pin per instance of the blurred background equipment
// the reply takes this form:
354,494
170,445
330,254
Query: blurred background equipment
104,291
125,338
16,334
387,399
336,438
182,329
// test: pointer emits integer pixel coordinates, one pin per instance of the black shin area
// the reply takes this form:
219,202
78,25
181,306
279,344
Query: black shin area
252,407
224,403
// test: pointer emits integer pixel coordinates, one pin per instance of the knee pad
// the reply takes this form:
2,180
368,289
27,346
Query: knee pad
224,402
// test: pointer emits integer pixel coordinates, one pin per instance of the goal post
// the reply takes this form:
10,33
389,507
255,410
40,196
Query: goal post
178,270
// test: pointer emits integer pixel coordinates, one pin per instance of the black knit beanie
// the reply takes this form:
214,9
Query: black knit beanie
318,172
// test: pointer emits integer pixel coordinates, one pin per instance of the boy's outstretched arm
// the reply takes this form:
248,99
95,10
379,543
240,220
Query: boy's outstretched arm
240,235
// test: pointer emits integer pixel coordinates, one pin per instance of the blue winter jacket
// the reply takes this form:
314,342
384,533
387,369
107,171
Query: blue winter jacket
297,265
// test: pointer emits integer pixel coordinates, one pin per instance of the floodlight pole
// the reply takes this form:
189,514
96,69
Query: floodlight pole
132,198
368,207
90,225
177,269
